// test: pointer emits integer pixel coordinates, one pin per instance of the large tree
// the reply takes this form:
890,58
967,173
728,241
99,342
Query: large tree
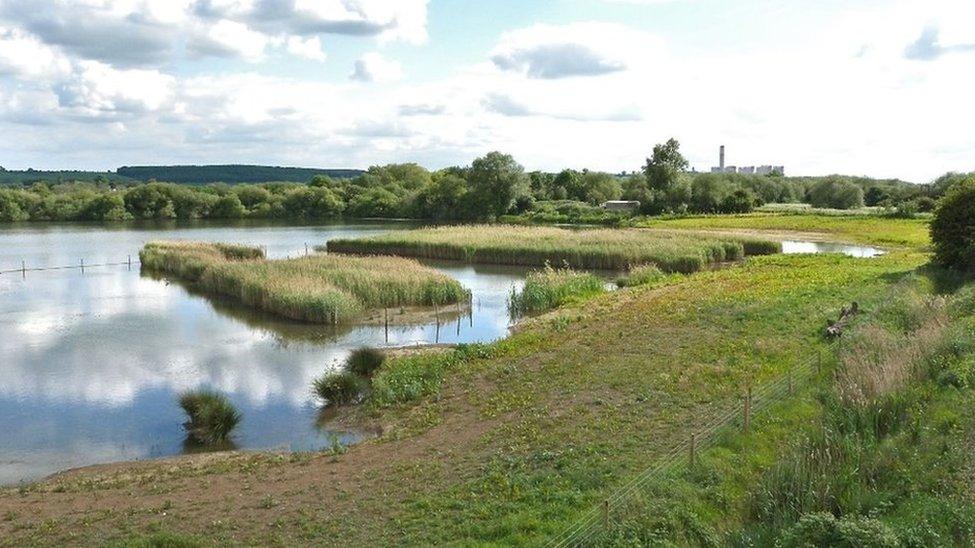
496,181
668,189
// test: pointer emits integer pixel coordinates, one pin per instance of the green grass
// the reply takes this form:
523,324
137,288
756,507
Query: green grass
552,287
641,275
866,229
340,387
212,416
321,288
610,249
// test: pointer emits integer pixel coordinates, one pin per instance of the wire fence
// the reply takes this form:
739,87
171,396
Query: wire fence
685,453
82,265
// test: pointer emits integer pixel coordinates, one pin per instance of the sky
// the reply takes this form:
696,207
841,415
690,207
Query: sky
861,87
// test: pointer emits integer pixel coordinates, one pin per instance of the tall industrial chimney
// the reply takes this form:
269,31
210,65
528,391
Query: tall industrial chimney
721,158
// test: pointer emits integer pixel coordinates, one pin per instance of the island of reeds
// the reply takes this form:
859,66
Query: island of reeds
319,288
611,249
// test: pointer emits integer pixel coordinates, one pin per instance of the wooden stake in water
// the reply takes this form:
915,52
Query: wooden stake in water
386,313
130,262
82,266
23,268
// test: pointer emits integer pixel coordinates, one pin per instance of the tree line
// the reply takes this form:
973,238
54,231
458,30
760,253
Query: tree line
492,186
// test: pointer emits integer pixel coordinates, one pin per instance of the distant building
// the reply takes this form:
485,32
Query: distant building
745,170
621,205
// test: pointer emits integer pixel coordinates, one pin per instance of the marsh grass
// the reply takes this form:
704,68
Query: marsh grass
551,288
212,416
322,288
364,361
609,249
641,275
340,387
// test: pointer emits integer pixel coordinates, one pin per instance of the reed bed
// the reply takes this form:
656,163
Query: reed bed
320,288
551,288
610,249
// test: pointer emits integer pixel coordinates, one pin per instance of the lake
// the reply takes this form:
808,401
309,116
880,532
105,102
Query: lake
91,362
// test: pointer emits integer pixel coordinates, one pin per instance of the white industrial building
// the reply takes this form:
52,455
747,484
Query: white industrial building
745,170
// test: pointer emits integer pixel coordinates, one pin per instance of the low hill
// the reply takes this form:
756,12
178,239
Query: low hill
231,173
19,177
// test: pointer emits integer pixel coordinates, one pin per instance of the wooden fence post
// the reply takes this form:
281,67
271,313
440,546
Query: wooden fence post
23,268
606,513
386,312
130,262
82,266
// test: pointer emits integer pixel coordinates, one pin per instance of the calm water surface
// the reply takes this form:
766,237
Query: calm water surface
91,363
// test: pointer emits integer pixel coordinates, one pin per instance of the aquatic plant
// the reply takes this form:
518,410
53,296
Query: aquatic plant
552,287
611,249
340,387
321,288
212,416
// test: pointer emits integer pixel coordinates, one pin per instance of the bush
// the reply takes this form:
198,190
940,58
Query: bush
837,193
212,416
823,529
340,387
364,361
953,227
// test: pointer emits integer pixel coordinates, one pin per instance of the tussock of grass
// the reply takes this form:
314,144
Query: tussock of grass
322,288
611,249
641,275
551,288
212,416
364,361
340,387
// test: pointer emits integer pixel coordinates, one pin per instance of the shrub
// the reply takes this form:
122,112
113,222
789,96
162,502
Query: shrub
364,361
550,288
823,529
953,227
212,416
340,387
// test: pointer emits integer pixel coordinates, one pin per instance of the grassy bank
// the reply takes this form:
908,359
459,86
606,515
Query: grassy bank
320,288
866,229
610,249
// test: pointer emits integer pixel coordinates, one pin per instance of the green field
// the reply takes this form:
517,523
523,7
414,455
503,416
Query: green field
608,249
319,288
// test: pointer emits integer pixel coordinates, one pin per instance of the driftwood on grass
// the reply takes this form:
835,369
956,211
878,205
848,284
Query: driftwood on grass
835,329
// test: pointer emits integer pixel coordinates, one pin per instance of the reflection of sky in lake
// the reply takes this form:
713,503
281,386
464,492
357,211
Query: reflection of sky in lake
859,251
90,364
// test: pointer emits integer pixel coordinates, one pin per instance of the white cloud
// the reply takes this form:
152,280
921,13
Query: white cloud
373,67
309,48
581,49
228,39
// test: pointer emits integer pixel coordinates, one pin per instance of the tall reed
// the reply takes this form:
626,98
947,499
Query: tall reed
551,287
321,288
611,249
